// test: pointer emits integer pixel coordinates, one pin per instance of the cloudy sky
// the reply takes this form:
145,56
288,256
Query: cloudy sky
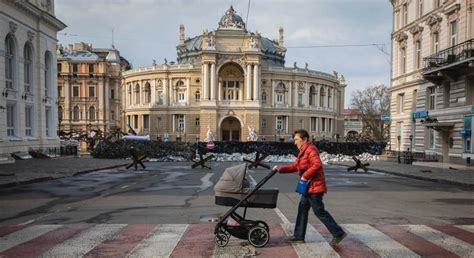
149,29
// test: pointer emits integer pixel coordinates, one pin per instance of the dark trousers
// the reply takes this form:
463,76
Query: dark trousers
314,201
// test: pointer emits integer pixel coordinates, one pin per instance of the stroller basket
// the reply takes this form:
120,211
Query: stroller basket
263,198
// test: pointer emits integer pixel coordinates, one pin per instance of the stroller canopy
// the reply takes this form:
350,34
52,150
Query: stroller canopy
233,180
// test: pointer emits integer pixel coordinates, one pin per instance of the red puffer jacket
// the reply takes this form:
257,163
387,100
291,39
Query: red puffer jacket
308,161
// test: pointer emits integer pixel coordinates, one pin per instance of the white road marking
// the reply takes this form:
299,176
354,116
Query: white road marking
443,240
469,228
24,235
161,242
315,246
125,186
84,242
378,241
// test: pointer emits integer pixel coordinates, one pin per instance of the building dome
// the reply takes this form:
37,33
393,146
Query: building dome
231,21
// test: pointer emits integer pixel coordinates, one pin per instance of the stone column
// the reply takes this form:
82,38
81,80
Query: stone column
241,91
249,82
106,111
100,90
318,92
256,82
219,90
165,92
205,83
290,94
213,81
169,95
294,86
153,93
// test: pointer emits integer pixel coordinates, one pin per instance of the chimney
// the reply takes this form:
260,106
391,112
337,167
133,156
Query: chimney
181,34
280,38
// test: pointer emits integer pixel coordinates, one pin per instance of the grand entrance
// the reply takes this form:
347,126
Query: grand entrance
230,129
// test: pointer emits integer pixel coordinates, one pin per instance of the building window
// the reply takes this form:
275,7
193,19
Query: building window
137,94
112,94
112,115
92,114
420,8
75,68
431,93
329,98
129,120
404,14
91,68
10,60
146,122
280,98
47,73
403,60
75,91
264,97
181,96
300,99
281,123
263,124
418,54
435,42
91,91
401,102
453,33
59,67
11,120
147,93
158,122
159,100
197,95
179,123
312,96
231,90
323,124
197,122
48,122
431,138
135,121
329,125
314,124
28,120
280,93
60,91
130,95
321,97
28,67
60,114
75,113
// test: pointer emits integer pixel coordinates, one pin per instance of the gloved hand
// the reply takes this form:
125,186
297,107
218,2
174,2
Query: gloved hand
275,168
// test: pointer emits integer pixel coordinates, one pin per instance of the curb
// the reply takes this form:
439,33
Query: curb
42,179
417,177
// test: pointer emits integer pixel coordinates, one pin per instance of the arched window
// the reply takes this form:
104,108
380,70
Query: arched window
130,94
321,97
28,67
264,97
10,60
312,95
197,95
60,113
147,93
75,113
137,94
47,73
280,93
92,114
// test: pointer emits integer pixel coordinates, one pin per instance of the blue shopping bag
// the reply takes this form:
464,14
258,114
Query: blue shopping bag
302,187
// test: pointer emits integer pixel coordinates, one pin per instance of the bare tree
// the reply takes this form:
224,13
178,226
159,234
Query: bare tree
372,103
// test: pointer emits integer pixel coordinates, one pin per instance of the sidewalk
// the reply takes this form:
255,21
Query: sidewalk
428,173
35,170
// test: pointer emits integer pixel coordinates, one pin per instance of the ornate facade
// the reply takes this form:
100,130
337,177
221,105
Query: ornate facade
28,110
432,86
89,87
231,82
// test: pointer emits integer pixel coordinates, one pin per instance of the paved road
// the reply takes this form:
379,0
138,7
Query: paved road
137,209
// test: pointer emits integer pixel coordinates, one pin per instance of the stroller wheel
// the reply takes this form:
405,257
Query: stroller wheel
258,236
263,224
221,239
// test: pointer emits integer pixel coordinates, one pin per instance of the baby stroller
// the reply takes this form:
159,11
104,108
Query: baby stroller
233,189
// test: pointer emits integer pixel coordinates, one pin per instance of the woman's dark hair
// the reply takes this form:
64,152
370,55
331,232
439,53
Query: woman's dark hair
303,134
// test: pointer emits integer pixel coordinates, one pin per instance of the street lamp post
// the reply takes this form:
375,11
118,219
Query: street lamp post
399,137
411,142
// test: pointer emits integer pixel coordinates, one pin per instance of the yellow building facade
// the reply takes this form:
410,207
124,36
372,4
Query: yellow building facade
229,82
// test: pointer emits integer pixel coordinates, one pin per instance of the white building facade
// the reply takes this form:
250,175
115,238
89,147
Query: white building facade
28,100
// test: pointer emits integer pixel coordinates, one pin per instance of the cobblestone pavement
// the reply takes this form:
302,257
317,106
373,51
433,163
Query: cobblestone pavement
435,174
35,170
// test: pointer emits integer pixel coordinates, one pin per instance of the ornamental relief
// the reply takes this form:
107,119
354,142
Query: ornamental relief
417,29
434,19
401,37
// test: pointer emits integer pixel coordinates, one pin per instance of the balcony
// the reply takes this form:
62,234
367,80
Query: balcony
450,63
